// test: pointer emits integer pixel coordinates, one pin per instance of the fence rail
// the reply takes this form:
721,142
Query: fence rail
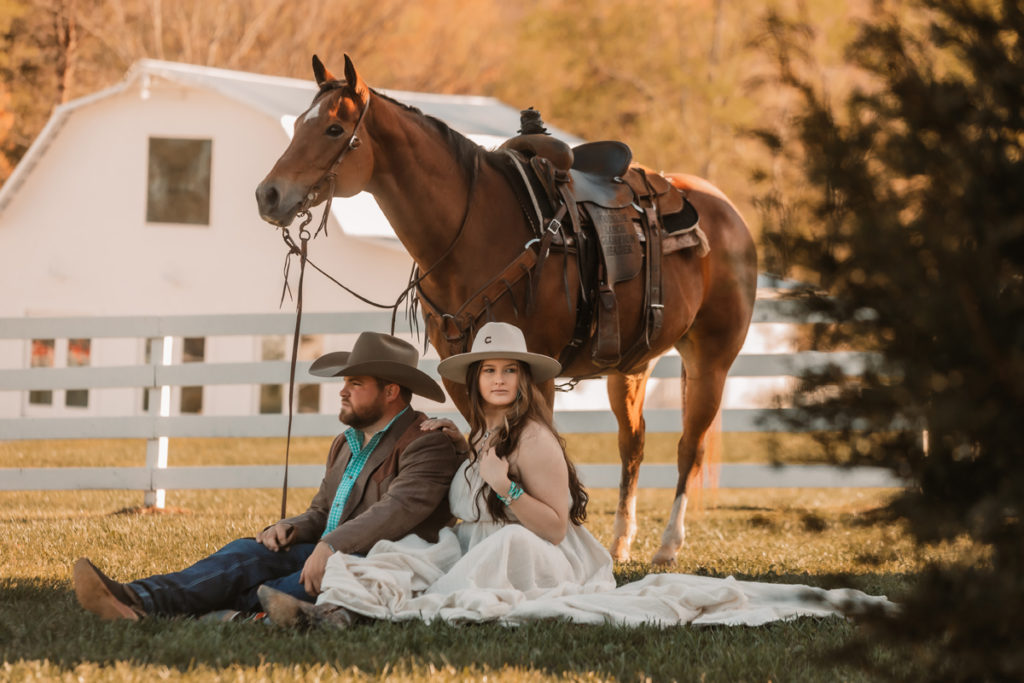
156,427
299,476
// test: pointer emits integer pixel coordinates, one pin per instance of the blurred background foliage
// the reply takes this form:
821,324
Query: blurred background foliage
908,226
683,81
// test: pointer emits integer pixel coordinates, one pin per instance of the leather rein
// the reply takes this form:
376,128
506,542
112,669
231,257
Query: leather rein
301,250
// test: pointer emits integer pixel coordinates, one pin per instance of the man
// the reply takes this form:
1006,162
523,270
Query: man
385,478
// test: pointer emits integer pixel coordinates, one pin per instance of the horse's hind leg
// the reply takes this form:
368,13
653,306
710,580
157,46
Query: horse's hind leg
704,373
626,398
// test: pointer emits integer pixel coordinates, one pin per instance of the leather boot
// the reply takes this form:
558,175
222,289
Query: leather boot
332,616
283,609
103,596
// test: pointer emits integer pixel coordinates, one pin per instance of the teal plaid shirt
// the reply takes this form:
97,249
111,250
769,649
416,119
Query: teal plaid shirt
360,454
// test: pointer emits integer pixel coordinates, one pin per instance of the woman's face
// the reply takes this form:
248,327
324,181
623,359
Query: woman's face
499,382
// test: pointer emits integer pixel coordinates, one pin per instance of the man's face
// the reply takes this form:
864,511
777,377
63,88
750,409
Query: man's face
362,402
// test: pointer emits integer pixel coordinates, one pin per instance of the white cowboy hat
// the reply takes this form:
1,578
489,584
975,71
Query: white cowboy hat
382,356
499,341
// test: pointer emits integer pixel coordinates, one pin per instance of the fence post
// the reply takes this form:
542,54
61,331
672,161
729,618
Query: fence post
160,353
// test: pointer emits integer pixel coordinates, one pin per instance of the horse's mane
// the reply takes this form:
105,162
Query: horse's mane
466,152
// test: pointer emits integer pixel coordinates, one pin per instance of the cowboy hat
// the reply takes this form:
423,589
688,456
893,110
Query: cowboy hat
503,341
384,357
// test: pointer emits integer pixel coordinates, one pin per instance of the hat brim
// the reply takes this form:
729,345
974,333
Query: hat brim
336,364
542,367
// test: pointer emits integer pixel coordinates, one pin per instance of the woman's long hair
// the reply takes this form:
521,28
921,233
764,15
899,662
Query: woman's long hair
528,406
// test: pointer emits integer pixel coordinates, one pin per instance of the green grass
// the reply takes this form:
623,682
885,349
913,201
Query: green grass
583,448
821,537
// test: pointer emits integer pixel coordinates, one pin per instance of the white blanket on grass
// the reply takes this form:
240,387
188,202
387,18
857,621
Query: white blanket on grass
483,571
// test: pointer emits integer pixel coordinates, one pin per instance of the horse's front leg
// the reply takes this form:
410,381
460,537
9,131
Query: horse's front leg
626,398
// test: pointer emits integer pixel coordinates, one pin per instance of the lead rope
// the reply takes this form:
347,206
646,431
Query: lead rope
302,252
304,236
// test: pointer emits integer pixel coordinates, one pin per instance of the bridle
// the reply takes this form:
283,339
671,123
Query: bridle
302,250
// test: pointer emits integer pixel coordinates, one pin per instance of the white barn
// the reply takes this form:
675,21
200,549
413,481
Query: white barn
139,200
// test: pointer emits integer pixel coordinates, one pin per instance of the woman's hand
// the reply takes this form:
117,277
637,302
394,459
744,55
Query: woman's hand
448,428
494,471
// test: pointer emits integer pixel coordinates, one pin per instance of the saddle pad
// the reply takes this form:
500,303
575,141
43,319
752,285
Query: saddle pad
686,239
617,233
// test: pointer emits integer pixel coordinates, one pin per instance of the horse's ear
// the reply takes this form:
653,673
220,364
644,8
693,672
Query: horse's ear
321,72
356,82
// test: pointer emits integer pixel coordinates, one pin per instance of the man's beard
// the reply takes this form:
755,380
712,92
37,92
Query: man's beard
363,418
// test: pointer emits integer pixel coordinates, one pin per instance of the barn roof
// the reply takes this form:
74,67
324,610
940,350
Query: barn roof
279,97
485,120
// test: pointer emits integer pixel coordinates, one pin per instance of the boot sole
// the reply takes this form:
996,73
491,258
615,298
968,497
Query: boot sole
94,596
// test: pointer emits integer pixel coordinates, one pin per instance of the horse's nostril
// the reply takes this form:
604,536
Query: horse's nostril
267,196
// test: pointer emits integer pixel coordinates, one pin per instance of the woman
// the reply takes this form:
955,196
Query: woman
520,552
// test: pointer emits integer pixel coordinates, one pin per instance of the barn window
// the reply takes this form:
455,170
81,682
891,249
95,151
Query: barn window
311,346
59,353
309,398
42,357
273,396
271,348
79,351
147,358
193,351
179,181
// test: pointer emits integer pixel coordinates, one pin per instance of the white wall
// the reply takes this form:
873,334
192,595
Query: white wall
75,238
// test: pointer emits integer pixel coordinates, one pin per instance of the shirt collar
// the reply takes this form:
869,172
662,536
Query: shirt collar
353,432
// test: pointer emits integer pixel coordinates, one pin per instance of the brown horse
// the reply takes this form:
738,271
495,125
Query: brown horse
460,220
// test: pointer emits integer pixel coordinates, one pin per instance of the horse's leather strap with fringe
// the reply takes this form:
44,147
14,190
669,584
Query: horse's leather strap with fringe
652,306
456,326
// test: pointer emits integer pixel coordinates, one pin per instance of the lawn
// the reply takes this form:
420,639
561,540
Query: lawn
835,537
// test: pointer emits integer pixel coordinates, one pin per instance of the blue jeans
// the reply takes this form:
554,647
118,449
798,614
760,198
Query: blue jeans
227,579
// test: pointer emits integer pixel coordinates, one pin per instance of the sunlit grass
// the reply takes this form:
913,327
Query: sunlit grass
815,536
183,452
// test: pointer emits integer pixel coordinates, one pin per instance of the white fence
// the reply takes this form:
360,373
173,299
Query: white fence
157,426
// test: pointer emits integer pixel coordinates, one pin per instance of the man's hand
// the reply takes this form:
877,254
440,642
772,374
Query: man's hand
275,537
313,571
448,428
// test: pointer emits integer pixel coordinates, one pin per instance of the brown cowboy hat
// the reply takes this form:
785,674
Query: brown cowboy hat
499,341
384,357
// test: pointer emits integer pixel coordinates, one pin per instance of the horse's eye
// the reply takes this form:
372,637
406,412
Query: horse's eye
335,130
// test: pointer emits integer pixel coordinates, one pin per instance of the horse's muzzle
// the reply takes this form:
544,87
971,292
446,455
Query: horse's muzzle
277,205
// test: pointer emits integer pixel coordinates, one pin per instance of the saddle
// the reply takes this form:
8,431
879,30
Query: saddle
617,218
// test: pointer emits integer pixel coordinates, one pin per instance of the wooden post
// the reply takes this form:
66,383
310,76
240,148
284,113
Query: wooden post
160,353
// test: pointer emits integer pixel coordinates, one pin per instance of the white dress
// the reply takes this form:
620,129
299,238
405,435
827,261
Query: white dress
486,571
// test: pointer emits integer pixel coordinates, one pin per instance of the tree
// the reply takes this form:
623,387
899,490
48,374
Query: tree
28,86
912,233
670,83
55,50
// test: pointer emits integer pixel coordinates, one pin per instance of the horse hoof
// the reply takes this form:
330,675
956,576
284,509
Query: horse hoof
620,551
664,557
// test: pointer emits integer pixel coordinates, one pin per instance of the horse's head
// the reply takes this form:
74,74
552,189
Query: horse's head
325,153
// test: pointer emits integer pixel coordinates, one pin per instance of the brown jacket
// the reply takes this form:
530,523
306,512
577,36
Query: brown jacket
402,489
